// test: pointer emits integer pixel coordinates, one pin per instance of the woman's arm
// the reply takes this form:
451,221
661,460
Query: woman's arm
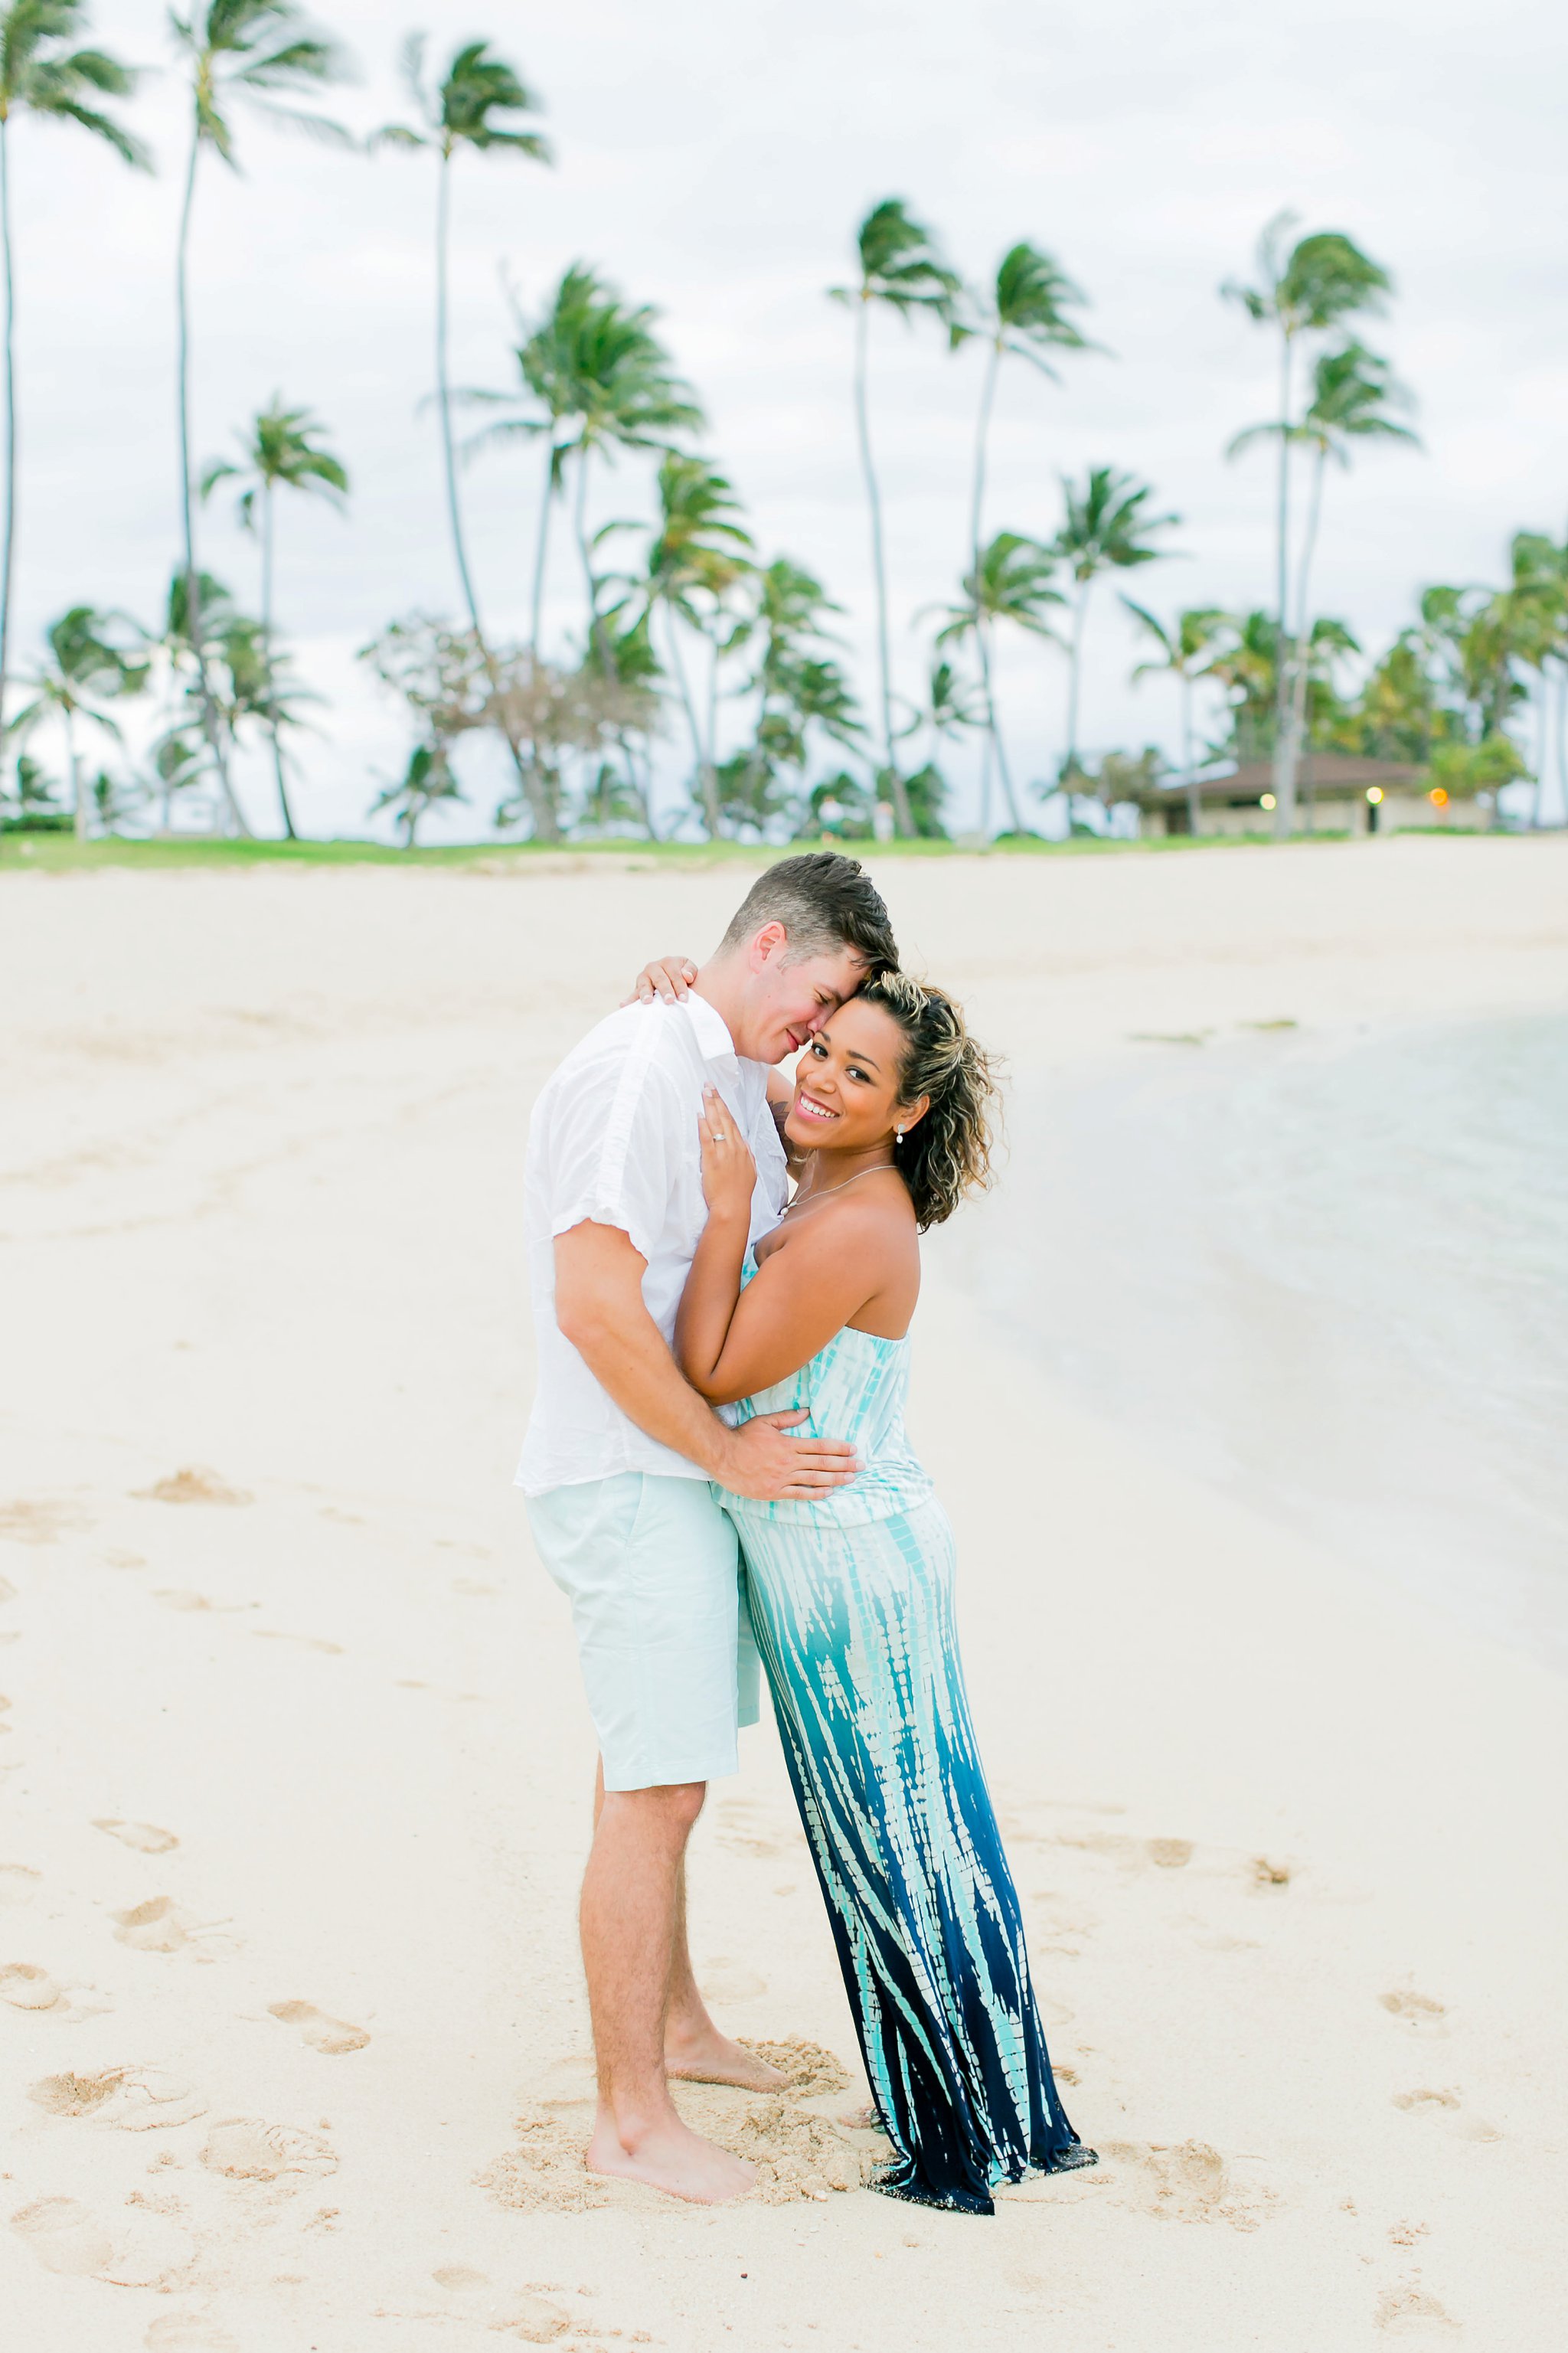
732,1342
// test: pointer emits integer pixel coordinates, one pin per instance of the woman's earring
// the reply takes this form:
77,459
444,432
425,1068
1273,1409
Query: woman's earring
897,1135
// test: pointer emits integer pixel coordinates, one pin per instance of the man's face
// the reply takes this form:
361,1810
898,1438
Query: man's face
788,1003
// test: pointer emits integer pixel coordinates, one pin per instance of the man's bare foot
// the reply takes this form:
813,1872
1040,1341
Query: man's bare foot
865,2119
713,2058
668,2157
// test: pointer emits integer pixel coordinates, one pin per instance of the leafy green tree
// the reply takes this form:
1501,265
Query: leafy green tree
840,809
1247,665
901,270
282,452
1539,566
698,557
1305,287
30,801
469,109
1023,315
952,709
1104,529
581,712
42,74
1187,653
1398,713
259,53
426,783
1011,583
87,668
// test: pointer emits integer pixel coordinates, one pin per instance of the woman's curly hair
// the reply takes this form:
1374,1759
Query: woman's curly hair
947,1154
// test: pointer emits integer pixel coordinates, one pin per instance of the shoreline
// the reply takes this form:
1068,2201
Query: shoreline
1287,1842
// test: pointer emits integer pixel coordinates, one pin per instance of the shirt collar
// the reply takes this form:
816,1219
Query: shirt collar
713,1030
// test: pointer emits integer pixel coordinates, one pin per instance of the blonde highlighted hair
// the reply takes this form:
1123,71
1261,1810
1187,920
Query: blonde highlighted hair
946,1154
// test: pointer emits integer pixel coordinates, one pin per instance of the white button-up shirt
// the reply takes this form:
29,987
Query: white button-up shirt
613,1139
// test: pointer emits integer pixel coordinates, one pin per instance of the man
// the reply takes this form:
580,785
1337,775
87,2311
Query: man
620,1451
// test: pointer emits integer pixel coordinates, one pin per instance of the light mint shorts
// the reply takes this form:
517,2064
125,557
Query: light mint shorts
652,1569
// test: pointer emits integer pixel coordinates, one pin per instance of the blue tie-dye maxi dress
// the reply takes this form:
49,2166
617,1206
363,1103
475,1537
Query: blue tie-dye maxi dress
852,1601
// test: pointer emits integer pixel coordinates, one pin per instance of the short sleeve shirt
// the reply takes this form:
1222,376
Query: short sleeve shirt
614,1140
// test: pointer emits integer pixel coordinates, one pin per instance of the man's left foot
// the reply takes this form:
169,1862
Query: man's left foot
713,2058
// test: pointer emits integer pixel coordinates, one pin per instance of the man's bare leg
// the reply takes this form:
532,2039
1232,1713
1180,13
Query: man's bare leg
628,1924
693,2046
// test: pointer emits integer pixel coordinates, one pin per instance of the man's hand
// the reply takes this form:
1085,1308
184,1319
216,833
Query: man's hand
766,1462
667,977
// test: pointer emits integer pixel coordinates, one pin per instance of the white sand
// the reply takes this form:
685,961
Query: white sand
294,1782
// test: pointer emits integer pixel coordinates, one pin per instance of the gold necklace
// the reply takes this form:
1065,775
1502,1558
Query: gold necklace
874,1171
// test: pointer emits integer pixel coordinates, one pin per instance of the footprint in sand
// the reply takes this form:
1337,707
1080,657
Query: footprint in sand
332,2035
136,2248
1416,2010
160,1926
1410,2312
136,2099
247,2149
27,1987
1414,2102
466,2294
40,1523
8,1592
176,1597
18,1882
193,1486
187,2332
145,1837
306,1641
1189,2183
811,2071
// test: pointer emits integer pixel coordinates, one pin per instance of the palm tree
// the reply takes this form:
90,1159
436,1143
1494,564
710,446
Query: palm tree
1104,530
425,783
1187,653
1353,392
41,75
603,382
462,111
85,669
698,552
1305,288
1024,315
283,451
900,266
259,53
1011,582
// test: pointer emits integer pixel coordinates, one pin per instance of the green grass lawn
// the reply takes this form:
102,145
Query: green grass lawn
61,853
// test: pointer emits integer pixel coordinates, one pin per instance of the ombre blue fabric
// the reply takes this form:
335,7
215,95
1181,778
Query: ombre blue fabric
852,1602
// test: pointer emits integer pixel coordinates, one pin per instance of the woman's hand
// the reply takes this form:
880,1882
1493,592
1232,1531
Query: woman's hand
729,1171
667,977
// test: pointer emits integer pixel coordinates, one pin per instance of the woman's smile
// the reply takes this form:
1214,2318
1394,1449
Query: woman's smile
807,1106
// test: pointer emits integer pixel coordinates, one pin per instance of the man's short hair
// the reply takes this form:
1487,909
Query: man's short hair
825,902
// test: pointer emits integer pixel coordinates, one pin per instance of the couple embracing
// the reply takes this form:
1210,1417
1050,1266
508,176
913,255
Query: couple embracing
725,1266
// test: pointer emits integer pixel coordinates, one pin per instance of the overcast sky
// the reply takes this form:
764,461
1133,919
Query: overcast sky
714,159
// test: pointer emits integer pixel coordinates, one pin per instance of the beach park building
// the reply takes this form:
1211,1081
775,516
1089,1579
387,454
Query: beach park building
1340,793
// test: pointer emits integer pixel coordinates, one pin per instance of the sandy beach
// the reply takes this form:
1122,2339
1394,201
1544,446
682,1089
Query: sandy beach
294,1764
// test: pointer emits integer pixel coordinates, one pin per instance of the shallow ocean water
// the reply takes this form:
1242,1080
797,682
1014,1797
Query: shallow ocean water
1330,1275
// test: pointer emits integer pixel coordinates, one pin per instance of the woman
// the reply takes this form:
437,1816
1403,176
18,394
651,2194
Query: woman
852,1597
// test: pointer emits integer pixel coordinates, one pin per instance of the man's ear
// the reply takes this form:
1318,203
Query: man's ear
771,937
909,1115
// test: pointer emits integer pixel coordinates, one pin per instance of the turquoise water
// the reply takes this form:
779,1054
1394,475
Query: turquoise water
1329,1276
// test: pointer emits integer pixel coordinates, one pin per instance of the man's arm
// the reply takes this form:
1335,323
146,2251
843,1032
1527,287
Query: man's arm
599,1309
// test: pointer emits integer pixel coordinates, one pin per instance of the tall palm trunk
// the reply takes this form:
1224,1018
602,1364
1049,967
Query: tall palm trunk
901,815
73,773
541,801
993,732
541,549
1284,766
982,438
1075,671
708,784
1288,750
211,729
276,732
8,554
1195,798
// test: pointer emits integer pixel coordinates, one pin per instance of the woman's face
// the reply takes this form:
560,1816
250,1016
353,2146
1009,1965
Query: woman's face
846,1081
